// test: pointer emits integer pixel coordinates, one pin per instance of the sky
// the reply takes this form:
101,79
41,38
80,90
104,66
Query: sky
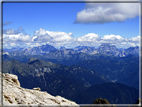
70,24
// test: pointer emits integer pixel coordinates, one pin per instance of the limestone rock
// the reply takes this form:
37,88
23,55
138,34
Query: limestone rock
11,78
37,89
13,94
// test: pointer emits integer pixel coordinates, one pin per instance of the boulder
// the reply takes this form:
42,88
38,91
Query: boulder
101,101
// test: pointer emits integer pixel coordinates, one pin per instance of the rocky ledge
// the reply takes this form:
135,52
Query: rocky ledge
13,94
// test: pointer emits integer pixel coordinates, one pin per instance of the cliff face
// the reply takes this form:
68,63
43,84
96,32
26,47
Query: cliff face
13,94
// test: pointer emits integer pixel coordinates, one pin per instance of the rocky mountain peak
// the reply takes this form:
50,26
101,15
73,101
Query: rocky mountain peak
133,48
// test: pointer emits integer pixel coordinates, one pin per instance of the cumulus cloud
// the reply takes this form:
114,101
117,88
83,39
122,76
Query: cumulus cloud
114,38
51,36
14,38
107,12
58,39
135,39
60,36
90,37
41,36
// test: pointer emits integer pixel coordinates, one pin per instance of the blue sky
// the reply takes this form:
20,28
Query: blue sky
76,23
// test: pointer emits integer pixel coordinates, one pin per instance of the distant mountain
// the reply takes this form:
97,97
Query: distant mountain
112,50
84,49
132,50
71,57
105,49
44,49
115,93
13,49
108,50
66,57
56,79
63,56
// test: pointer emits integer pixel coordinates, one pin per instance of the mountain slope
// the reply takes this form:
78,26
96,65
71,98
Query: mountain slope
113,70
131,79
115,93
56,79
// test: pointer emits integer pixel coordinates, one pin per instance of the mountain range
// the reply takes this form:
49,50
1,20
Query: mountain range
78,74
106,49
44,49
69,56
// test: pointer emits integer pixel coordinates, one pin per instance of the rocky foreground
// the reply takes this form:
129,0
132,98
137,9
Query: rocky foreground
13,94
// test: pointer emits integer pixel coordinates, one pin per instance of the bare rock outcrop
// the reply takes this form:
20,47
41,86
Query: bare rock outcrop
101,101
13,94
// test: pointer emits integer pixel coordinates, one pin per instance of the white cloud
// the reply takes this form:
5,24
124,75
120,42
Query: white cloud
132,44
114,38
41,31
90,37
60,36
51,36
59,39
135,39
42,38
13,38
107,12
